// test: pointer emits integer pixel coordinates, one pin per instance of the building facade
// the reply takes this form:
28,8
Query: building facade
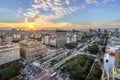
117,61
112,57
61,38
30,47
9,53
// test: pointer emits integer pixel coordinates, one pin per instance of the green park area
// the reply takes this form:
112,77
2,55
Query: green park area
78,68
10,71
93,49
96,74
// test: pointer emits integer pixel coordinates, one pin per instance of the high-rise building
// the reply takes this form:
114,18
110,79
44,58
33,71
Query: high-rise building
112,55
61,38
117,62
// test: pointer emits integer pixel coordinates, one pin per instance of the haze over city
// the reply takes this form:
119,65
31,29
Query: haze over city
61,14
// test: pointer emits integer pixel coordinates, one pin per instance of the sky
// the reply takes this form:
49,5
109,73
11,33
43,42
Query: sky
63,14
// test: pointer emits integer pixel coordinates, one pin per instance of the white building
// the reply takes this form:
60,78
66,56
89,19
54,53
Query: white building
9,53
71,38
49,39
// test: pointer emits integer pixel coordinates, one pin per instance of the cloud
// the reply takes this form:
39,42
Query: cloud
31,13
19,12
67,2
42,12
98,2
62,25
31,19
106,1
53,9
18,15
113,24
91,1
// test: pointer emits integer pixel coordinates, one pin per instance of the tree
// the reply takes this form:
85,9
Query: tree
71,45
11,70
103,49
53,62
78,67
93,49
96,75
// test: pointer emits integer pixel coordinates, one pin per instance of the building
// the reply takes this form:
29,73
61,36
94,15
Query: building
49,39
117,64
9,52
30,47
56,39
0,40
112,60
2,35
35,72
42,76
46,39
61,38
12,35
71,37
117,61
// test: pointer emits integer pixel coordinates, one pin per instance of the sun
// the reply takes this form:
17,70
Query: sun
31,26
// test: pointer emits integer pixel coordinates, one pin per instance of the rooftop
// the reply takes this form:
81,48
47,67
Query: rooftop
6,46
29,41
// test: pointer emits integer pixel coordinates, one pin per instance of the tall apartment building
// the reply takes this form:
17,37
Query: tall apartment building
9,53
117,63
112,55
61,38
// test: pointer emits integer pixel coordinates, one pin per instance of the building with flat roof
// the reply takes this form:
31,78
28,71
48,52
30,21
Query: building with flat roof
9,52
30,47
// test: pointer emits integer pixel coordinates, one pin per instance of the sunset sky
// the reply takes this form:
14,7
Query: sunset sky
64,14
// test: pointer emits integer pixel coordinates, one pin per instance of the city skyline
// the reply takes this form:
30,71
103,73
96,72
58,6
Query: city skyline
52,14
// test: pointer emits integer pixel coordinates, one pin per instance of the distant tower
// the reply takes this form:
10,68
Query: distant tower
43,38
2,35
116,30
75,35
99,30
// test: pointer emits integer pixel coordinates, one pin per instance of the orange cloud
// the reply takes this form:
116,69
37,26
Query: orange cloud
39,24
12,25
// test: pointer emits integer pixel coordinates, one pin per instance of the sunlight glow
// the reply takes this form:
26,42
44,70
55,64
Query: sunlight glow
31,26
